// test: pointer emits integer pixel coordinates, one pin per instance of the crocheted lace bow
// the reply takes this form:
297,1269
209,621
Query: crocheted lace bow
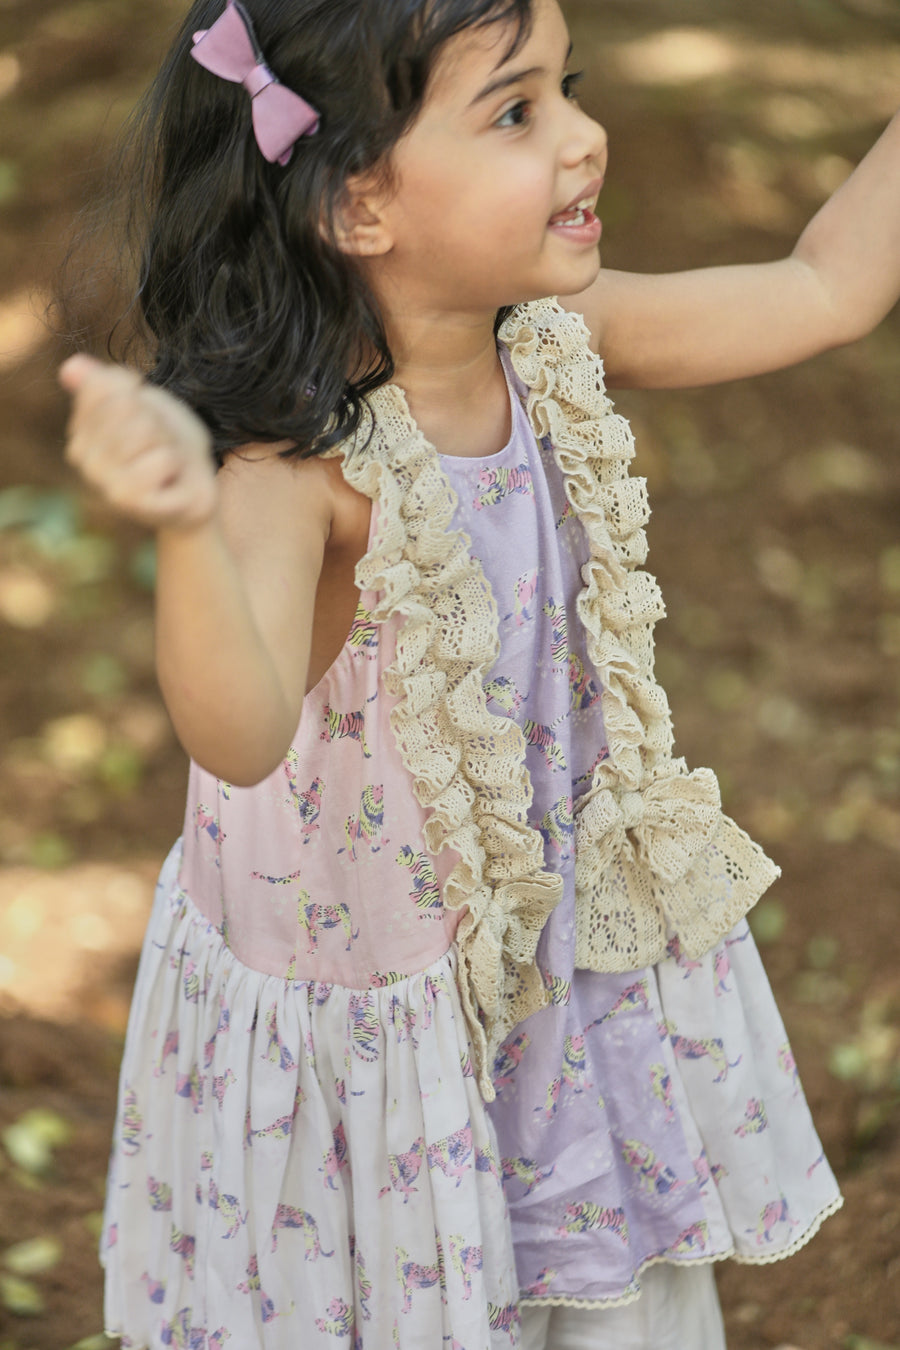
662,828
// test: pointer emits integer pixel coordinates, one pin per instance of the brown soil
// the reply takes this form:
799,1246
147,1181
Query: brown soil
775,537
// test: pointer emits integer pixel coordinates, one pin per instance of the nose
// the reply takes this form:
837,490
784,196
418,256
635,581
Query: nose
586,140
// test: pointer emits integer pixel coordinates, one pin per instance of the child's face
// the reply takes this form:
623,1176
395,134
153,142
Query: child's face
484,178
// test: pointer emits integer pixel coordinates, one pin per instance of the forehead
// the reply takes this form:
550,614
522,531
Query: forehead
474,57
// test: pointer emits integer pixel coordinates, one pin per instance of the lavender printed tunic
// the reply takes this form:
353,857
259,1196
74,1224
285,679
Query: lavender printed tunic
652,1115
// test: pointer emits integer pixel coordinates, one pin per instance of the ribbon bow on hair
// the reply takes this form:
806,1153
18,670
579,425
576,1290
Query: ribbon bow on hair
230,50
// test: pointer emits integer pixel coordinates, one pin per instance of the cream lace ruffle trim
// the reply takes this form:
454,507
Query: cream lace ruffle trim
467,765
654,853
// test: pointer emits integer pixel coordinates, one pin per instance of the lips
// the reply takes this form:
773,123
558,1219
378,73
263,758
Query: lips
580,209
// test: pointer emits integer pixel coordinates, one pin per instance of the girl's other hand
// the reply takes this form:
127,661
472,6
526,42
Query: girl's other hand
141,448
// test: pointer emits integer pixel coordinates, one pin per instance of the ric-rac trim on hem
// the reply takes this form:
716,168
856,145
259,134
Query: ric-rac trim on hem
633,1291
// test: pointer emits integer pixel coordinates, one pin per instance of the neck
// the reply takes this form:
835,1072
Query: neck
447,366
439,358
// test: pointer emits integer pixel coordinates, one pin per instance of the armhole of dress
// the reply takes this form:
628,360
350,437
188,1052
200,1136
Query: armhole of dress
346,652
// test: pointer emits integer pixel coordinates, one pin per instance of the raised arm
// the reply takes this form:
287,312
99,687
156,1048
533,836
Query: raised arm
238,559
722,323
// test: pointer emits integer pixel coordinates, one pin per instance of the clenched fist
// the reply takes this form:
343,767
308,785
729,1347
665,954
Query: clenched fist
142,449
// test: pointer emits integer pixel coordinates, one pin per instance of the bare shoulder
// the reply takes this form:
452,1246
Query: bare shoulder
273,506
269,500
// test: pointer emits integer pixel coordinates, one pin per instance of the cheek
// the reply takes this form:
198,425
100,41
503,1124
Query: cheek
479,203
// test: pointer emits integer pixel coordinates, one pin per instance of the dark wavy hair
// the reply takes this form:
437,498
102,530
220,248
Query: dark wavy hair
252,313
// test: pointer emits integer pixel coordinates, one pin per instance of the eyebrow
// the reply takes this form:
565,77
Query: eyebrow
514,77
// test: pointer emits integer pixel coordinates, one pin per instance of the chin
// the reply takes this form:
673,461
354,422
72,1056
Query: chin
573,282
582,277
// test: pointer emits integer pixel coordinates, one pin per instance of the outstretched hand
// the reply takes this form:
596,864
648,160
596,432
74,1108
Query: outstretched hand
142,449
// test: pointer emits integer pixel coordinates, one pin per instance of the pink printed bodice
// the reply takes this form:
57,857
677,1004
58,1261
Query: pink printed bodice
321,872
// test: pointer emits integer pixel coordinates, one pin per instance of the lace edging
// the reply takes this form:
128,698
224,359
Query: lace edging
799,1243
467,764
650,836
633,1291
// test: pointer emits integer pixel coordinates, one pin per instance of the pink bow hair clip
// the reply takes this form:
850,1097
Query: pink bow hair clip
230,50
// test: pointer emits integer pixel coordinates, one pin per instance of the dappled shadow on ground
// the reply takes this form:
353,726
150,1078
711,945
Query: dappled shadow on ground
774,536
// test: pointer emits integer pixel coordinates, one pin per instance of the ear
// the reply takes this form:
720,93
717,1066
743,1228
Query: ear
360,222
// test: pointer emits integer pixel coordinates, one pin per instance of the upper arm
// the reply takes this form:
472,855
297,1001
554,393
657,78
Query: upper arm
276,519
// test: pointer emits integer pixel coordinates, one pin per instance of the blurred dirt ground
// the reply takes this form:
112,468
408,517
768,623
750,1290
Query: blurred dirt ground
776,536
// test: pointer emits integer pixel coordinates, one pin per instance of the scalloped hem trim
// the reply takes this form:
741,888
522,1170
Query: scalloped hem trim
816,1224
633,1292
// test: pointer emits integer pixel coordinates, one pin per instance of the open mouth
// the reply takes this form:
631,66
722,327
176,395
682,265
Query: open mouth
581,213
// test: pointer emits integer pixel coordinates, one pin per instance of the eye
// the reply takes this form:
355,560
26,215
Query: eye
516,116
571,82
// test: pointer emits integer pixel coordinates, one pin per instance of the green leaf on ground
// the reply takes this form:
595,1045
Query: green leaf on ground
31,1139
50,518
34,1256
103,675
767,921
9,190
49,849
847,1062
20,1297
822,951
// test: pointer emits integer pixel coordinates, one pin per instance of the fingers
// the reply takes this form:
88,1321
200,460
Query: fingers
159,489
93,379
142,449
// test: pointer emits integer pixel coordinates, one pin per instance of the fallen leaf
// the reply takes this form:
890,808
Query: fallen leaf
34,1256
26,599
767,921
20,1297
31,1139
49,850
847,1062
74,743
822,951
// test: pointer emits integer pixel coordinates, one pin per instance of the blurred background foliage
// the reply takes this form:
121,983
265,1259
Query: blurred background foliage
775,537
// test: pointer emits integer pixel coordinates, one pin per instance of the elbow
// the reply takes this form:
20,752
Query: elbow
844,304
242,768
847,326
225,740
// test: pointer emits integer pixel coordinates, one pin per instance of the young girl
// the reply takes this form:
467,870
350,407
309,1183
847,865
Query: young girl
437,851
